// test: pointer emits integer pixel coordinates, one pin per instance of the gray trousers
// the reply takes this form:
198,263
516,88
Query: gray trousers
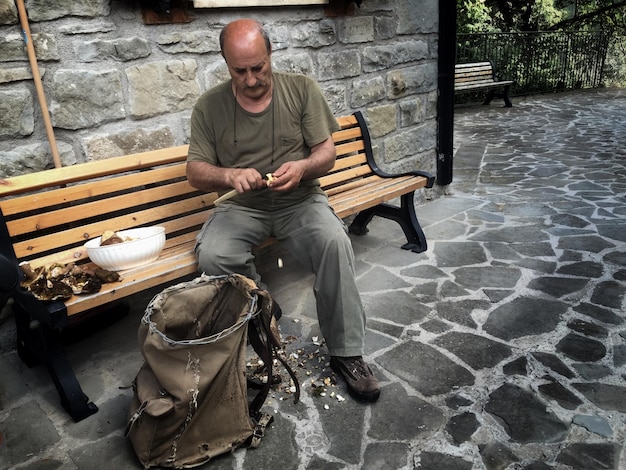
316,237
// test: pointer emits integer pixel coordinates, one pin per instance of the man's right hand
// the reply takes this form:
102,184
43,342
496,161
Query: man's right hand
245,179
209,178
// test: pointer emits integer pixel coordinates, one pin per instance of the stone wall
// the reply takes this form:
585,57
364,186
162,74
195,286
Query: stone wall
115,85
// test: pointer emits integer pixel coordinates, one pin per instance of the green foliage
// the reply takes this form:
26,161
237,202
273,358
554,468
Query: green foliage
473,16
540,15
544,14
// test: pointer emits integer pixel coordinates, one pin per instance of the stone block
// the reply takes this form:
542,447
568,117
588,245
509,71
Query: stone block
13,48
215,73
101,147
8,12
86,98
293,63
32,158
356,29
381,120
102,26
335,65
418,109
411,80
314,34
44,10
16,113
162,87
16,74
389,55
424,19
384,27
410,142
122,49
195,42
336,95
367,91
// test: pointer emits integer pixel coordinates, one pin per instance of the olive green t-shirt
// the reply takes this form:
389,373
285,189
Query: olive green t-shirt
224,134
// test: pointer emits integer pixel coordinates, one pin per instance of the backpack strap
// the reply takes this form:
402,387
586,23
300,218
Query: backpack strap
265,344
263,420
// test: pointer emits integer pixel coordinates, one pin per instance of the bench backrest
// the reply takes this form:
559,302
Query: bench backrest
49,215
477,72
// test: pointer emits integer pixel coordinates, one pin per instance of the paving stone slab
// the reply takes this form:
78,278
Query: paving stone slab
413,362
524,417
524,316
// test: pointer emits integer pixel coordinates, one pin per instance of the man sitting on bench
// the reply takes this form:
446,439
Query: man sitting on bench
277,126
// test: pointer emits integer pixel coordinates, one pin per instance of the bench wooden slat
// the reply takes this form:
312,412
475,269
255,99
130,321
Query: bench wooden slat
347,121
475,72
67,175
332,191
349,148
98,186
346,134
347,161
470,65
153,216
470,86
65,215
164,270
190,223
334,179
374,193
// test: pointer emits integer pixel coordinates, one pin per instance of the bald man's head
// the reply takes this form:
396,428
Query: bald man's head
244,31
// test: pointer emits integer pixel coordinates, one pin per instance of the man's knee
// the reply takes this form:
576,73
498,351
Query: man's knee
207,260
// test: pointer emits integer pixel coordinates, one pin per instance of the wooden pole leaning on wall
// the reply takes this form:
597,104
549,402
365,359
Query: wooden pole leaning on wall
32,58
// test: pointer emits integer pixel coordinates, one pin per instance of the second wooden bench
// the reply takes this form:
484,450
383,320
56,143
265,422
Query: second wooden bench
481,76
46,217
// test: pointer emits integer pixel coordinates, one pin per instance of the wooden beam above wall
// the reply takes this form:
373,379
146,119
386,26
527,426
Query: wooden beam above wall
253,3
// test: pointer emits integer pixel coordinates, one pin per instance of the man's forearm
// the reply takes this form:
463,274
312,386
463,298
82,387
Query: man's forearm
207,177
320,161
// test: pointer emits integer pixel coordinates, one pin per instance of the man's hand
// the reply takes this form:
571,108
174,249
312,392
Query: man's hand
245,179
209,178
318,163
286,177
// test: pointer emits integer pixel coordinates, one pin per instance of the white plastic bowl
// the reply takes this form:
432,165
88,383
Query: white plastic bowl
145,246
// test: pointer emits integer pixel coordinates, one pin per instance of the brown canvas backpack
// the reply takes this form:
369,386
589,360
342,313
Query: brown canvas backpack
190,400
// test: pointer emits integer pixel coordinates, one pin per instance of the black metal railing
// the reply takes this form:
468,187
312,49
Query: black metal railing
539,62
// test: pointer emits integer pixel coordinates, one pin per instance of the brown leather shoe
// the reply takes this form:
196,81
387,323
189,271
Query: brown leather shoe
358,376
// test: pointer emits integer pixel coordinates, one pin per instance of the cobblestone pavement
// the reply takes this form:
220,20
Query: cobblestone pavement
501,347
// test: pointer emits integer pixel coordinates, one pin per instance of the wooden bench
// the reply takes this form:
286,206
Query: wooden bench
48,216
481,76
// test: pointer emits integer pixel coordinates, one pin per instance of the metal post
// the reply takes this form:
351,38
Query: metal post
445,111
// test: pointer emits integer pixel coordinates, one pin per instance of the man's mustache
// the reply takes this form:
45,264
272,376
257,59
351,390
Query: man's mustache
258,84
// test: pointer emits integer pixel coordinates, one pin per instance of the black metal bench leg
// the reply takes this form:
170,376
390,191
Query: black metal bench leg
404,215
489,96
38,343
507,99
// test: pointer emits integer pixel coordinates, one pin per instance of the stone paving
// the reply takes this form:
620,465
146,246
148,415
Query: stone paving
501,347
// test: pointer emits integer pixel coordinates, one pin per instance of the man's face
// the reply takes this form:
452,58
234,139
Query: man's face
250,67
